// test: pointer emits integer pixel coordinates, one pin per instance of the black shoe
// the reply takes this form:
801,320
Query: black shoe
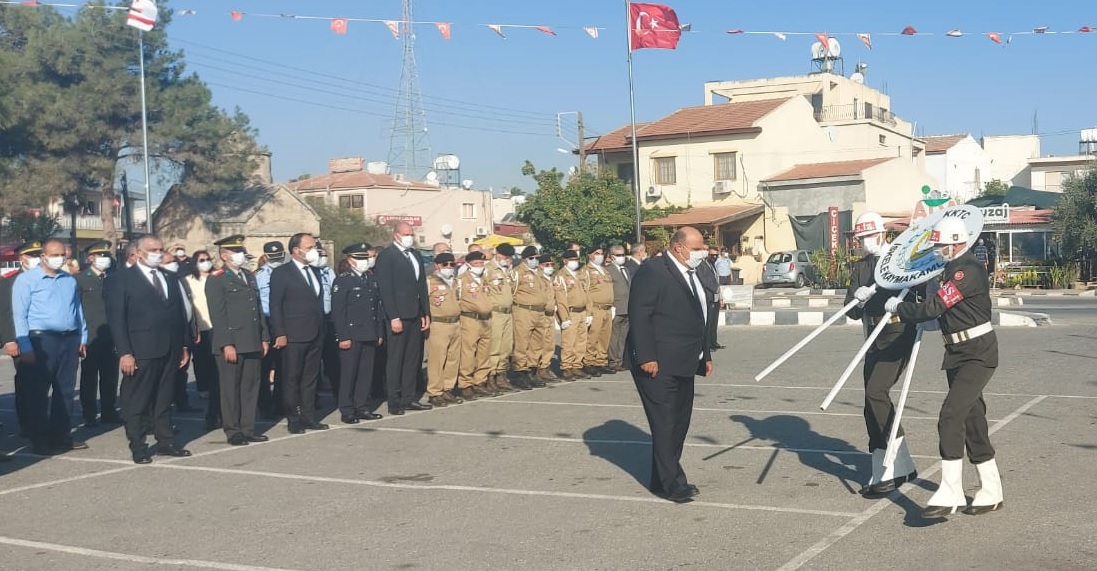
716,347
257,438
607,370
881,489
396,411
238,440
592,371
348,419
172,451
681,495
417,406
295,428
521,381
980,510
693,490
940,511
316,426
536,383
141,458
369,416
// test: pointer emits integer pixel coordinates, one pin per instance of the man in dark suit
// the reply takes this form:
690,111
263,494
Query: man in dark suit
711,283
637,256
150,329
403,285
621,276
99,369
297,324
667,347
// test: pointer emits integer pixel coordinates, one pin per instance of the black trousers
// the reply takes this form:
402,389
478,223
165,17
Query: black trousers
23,373
99,377
331,358
883,368
963,420
239,392
404,361
714,317
146,400
206,373
179,388
356,367
668,404
300,374
270,391
50,388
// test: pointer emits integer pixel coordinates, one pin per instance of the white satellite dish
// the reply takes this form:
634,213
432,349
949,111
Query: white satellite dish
447,230
834,49
466,184
818,51
432,177
857,77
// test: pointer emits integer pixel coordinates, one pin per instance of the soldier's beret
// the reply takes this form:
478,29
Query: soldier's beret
443,258
473,256
97,248
505,249
544,258
234,242
570,255
29,248
274,247
529,251
359,250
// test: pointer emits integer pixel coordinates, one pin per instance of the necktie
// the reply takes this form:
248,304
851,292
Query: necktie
624,272
414,266
156,281
308,276
693,288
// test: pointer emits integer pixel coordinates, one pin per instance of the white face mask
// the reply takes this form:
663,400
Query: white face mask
274,265
153,259
599,259
361,266
549,270
33,262
476,271
172,267
205,266
619,260
180,253
531,263
322,262
573,265
695,258
446,273
873,246
102,263
55,262
238,259
407,241
312,257
504,262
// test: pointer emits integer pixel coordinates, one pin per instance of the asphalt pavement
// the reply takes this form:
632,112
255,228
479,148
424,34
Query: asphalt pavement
554,478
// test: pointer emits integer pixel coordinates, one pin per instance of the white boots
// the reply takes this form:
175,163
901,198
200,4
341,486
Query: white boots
877,470
949,497
885,480
989,497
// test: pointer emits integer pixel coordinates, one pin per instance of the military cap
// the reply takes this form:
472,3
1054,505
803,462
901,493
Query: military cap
234,242
570,255
544,258
274,248
443,258
505,249
359,250
31,248
473,256
529,251
98,248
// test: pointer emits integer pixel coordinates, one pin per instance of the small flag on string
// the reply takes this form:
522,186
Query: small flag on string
995,37
393,27
592,32
685,28
909,31
545,30
236,16
1040,30
735,31
498,30
339,25
443,28
780,36
1009,40
142,15
865,39
185,12
1085,29
823,39
954,33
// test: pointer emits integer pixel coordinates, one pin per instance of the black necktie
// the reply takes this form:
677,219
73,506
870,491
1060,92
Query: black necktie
308,276
156,281
414,266
693,288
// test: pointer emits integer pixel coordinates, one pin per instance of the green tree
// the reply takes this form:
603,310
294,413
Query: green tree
27,225
1075,219
515,191
74,110
659,234
995,188
594,209
346,226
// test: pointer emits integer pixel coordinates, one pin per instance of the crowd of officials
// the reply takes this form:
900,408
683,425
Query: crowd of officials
263,342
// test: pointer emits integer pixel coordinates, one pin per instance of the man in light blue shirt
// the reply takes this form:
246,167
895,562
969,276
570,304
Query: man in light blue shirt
723,268
52,337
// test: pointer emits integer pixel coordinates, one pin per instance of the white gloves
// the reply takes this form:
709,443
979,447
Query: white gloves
612,312
588,320
565,324
892,304
864,293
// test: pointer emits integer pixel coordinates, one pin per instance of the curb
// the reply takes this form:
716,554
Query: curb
741,318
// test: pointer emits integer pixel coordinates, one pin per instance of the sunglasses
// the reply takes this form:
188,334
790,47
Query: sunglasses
446,264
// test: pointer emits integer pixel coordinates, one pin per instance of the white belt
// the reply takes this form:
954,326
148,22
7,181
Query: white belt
968,334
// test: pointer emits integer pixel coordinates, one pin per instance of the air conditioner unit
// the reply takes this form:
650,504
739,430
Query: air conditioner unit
722,187
654,192
481,231
398,177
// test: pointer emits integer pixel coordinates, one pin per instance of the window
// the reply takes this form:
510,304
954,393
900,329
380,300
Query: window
883,139
802,257
624,172
724,166
664,171
468,211
868,110
351,201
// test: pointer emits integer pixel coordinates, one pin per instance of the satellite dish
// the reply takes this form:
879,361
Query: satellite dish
447,230
818,51
466,184
432,177
834,49
857,77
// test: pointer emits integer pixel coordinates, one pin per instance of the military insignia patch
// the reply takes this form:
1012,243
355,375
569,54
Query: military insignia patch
950,294
335,288
959,275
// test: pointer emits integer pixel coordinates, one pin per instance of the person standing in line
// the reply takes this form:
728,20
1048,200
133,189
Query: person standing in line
356,314
599,285
206,373
571,308
150,329
707,273
529,313
329,354
99,369
297,325
722,265
499,284
270,388
444,341
476,307
29,257
181,398
667,347
620,275
52,337
543,344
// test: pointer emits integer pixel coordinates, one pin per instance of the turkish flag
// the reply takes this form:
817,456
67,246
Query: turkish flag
653,26
339,25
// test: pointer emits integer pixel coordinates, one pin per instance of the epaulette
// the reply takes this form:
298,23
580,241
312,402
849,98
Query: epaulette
217,272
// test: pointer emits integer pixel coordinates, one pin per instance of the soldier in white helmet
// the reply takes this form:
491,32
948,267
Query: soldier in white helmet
962,307
885,361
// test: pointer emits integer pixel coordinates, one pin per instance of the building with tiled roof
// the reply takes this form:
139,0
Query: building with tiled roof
959,164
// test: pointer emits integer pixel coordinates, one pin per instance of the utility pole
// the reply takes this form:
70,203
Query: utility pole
582,144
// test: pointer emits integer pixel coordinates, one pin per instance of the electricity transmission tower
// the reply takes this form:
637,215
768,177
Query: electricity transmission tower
409,146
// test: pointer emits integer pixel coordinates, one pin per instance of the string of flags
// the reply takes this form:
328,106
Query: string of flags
651,25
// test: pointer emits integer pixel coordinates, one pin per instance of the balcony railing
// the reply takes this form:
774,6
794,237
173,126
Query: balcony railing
853,113
86,222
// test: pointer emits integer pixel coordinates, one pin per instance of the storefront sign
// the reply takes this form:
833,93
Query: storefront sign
386,219
996,214
833,229
909,259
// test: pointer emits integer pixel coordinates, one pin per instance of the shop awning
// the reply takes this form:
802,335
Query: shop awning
707,216
493,240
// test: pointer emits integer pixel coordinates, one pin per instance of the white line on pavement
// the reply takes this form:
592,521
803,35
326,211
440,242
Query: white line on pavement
135,558
66,480
861,389
703,409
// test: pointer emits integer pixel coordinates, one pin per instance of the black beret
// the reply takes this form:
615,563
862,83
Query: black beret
473,256
505,249
529,251
570,255
359,250
544,258
443,258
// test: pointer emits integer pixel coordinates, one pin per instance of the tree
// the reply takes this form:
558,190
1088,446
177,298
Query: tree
1075,219
27,225
346,226
594,209
515,191
74,110
995,188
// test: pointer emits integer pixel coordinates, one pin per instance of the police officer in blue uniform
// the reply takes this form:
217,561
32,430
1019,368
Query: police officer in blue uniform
355,315
270,395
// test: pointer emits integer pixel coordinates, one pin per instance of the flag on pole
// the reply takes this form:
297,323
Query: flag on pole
592,32
545,29
236,16
393,27
653,26
443,28
142,15
498,30
339,25
865,39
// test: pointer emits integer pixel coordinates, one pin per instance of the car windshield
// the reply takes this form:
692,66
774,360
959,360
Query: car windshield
779,258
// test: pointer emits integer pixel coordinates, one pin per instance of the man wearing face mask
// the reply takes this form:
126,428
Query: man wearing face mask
297,325
239,340
599,286
543,344
621,276
500,282
181,397
329,354
52,337
667,348
270,389
29,258
638,256
356,313
962,307
186,264
99,369
444,341
476,311
885,361
571,309
529,314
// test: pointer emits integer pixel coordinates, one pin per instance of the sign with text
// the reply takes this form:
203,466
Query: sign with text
996,214
909,260
833,230
386,219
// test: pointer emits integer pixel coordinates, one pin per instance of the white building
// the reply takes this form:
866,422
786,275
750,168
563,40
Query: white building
1009,156
959,164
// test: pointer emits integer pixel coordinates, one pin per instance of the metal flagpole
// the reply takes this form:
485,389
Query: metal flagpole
632,120
145,136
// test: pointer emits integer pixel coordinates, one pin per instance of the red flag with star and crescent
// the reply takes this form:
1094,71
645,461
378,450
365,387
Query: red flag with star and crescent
653,26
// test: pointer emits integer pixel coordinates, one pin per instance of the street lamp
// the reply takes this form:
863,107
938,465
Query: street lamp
72,207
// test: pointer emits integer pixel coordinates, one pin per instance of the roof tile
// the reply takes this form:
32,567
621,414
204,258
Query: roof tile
826,170
708,215
938,144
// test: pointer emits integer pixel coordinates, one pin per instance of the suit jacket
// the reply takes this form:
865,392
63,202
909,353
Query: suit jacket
7,318
95,307
620,287
666,323
707,274
296,311
235,312
632,266
402,294
142,323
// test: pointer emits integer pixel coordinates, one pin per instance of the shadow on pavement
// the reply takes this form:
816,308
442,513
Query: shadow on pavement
605,441
792,432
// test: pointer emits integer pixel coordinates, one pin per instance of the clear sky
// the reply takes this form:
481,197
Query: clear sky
315,95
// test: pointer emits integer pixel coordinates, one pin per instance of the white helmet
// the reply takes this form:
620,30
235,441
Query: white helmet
949,231
868,224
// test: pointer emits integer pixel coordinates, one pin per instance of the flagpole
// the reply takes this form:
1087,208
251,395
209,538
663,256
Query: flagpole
632,124
145,136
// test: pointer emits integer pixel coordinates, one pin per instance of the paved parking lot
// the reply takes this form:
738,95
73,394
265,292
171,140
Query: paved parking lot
554,479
